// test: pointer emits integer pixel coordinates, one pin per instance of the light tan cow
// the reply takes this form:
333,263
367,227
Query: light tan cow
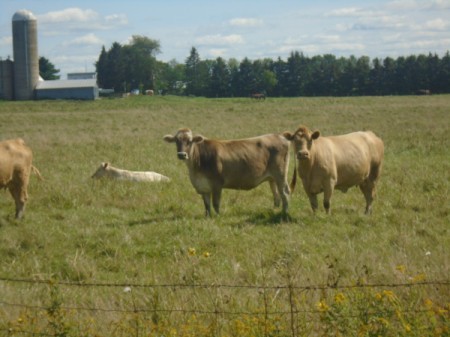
337,162
15,168
105,170
234,164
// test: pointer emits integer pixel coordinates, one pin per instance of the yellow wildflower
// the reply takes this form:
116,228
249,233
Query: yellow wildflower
191,251
401,268
419,277
339,298
322,306
206,254
378,296
389,294
407,327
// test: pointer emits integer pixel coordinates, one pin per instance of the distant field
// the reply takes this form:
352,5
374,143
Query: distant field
251,267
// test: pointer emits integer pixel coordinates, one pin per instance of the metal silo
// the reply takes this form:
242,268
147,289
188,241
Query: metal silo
26,60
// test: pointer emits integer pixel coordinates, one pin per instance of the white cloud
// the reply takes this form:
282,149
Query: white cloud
88,39
437,24
354,12
217,52
415,5
246,22
220,39
116,19
351,11
68,15
77,19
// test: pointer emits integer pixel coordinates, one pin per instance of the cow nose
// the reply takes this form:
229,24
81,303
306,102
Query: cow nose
302,155
182,155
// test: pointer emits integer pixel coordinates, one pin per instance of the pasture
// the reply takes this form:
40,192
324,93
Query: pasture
119,258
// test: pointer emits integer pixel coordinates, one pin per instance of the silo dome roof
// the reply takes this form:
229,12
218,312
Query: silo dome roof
23,15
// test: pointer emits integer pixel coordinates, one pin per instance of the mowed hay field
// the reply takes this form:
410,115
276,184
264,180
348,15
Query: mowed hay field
108,258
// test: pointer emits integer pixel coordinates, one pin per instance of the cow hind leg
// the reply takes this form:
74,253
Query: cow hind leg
368,189
207,202
275,192
327,193
216,196
284,191
20,196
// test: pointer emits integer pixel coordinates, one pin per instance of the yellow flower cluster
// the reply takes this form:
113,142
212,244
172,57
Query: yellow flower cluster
192,252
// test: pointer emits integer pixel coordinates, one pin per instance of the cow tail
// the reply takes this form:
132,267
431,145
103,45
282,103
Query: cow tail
294,177
36,172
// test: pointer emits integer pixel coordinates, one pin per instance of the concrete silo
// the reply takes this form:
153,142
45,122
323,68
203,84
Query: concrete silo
26,59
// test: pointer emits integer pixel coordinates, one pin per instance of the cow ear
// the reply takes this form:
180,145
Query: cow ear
105,165
198,139
169,138
288,135
316,134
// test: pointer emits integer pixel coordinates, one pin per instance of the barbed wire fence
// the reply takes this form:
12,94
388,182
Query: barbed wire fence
265,296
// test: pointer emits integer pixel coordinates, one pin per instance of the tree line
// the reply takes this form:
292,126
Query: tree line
134,66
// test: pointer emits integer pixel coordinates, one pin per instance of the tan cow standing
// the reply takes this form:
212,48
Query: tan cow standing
111,172
15,168
235,164
337,162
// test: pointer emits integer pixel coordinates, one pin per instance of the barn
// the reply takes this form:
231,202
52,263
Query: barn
86,89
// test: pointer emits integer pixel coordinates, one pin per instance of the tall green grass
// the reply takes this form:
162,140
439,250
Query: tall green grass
79,230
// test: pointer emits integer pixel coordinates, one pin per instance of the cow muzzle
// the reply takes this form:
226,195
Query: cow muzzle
302,155
182,155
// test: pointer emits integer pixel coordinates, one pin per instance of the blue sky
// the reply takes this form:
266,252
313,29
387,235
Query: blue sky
71,33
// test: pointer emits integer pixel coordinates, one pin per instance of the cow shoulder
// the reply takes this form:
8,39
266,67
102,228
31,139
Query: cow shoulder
205,153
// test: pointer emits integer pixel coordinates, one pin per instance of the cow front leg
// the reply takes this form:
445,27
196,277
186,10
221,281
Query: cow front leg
207,202
313,201
216,196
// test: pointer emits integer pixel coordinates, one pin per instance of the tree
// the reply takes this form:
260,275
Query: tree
220,79
197,74
130,66
102,68
246,82
47,69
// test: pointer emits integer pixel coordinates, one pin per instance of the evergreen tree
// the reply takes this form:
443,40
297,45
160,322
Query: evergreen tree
101,67
220,79
47,70
192,72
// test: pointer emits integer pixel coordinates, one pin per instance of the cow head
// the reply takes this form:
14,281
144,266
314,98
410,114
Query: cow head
303,141
184,140
101,171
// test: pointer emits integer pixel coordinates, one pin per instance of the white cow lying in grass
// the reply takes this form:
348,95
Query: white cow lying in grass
108,171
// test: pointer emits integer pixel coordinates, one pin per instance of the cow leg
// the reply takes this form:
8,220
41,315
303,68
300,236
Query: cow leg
313,201
276,195
207,202
327,193
20,196
216,196
368,189
284,190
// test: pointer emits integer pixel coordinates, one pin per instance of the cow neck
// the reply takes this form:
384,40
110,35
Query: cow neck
304,167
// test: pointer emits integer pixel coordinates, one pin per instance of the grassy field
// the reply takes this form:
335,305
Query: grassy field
142,250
